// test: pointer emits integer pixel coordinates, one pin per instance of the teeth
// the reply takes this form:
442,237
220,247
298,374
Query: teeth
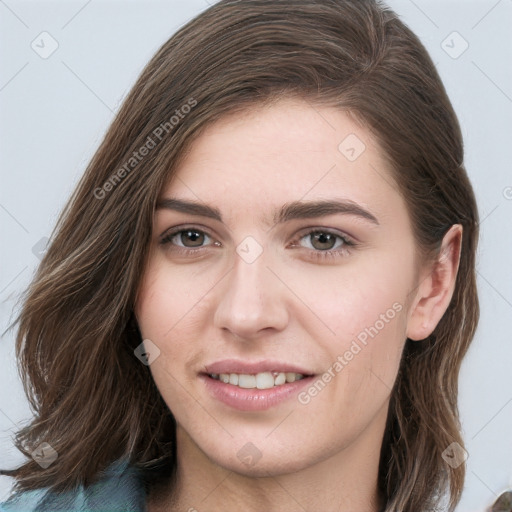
280,379
246,381
264,380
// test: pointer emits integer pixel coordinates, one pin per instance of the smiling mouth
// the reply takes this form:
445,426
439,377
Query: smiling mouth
263,380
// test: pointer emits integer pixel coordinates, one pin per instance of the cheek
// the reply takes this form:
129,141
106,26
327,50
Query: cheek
344,301
362,362
170,311
170,299
362,308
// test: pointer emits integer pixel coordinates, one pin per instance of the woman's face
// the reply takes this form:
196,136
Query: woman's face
281,247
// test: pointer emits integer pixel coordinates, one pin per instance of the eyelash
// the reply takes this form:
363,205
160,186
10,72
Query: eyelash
330,254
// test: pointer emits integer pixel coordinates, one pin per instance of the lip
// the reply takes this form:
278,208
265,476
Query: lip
237,366
253,399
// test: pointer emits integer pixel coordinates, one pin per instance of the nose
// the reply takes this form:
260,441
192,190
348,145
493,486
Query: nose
252,301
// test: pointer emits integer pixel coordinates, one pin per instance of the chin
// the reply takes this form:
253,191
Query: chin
265,467
260,459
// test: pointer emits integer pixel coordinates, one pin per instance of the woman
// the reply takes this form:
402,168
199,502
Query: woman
261,292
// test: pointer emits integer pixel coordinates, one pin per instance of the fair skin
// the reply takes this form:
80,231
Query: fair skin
313,450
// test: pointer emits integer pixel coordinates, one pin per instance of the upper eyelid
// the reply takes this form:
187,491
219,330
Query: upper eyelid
178,229
306,231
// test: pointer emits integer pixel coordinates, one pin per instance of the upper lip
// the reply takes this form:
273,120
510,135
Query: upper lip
246,367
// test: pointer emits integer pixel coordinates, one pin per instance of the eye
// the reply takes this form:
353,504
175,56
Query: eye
325,244
323,240
187,240
322,243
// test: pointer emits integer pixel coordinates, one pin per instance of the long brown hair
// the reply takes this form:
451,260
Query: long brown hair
93,400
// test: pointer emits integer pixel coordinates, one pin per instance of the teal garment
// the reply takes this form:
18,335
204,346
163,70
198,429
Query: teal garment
120,489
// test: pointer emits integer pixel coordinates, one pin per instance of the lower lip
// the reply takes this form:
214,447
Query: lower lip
253,399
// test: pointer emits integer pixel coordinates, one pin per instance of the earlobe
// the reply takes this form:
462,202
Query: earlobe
436,286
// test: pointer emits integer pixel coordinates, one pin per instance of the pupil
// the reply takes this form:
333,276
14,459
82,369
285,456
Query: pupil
324,238
194,236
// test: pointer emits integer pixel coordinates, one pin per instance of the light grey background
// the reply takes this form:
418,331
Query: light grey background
55,110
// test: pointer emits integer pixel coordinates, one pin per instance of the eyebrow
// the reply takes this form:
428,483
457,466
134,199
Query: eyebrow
289,211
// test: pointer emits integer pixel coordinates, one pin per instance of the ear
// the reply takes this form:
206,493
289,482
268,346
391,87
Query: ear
435,288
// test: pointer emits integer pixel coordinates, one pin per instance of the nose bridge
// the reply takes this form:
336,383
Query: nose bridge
251,299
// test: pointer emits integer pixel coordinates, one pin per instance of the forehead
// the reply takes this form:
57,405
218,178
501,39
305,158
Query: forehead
291,150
